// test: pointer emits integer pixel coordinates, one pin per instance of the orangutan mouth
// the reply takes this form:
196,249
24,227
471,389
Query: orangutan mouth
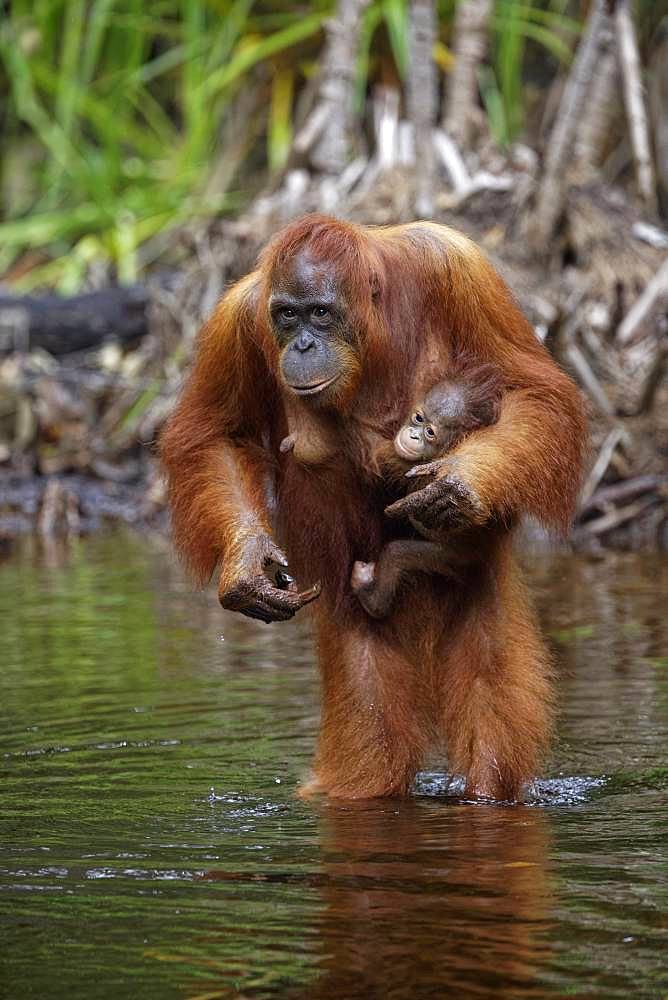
311,390
405,452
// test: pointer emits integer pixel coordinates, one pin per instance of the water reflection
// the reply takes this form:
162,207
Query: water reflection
422,900
122,875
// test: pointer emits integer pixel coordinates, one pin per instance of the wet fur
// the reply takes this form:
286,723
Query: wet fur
459,664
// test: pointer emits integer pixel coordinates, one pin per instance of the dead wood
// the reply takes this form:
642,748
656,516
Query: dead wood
551,197
470,46
422,96
62,325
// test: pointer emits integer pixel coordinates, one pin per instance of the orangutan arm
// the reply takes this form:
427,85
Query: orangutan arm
529,462
218,469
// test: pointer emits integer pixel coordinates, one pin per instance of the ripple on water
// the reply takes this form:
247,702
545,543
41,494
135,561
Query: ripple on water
561,791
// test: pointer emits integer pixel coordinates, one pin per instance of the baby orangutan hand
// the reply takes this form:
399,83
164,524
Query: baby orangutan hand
428,468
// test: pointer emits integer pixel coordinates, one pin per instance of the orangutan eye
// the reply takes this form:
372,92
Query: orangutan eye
430,432
418,418
321,312
287,313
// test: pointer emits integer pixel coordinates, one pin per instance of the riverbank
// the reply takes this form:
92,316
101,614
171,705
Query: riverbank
78,426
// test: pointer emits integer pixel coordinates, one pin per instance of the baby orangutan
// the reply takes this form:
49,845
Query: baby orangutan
451,409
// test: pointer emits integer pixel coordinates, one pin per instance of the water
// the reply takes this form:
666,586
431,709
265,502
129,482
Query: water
151,845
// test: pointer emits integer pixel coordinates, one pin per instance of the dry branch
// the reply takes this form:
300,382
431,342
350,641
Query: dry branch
422,101
386,103
602,106
653,296
626,490
453,162
653,380
601,464
635,104
618,516
650,234
587,377
657,74
470,46
333,146
552,192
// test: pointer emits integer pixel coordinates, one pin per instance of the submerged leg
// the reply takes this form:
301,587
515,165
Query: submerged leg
377,714
498,695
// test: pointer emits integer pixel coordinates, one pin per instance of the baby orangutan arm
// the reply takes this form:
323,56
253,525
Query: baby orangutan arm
446,505
217,468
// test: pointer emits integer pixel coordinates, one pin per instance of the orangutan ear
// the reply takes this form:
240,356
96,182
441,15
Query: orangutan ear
374,281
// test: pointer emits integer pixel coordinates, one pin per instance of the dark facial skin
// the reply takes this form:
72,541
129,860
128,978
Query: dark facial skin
309,319
433,425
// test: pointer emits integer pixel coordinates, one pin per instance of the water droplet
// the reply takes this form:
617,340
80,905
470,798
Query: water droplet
277,780
221,637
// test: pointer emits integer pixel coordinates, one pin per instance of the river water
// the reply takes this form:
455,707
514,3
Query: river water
151,845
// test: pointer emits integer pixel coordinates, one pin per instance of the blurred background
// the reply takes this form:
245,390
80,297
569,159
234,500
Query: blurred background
150,149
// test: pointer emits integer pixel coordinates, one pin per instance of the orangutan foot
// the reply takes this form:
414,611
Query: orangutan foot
363,576
374,599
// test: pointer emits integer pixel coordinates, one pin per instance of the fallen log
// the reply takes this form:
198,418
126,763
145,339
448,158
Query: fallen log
617,516
628,489
63,325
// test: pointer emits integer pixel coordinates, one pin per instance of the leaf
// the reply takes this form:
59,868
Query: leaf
395,15
250,55
443,57
574,634
279,137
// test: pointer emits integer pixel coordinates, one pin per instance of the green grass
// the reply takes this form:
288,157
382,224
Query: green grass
117,114
119,106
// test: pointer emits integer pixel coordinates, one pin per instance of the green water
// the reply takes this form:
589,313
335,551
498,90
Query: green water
151,845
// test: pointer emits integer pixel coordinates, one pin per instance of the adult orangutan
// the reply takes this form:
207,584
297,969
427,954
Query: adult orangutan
347,325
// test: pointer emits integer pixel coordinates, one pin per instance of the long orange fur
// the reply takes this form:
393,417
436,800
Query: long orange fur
460,665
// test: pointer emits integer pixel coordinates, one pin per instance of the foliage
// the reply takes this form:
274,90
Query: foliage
517,23
119,108
123,119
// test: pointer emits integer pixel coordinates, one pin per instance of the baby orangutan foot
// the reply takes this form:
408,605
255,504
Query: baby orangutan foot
363,576
364,584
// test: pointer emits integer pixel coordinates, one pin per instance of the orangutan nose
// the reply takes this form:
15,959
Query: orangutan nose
304,341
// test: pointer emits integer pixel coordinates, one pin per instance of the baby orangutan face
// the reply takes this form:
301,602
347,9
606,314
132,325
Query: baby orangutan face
449,411
433,425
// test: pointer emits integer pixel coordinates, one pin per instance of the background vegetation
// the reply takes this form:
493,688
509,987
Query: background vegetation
122,119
